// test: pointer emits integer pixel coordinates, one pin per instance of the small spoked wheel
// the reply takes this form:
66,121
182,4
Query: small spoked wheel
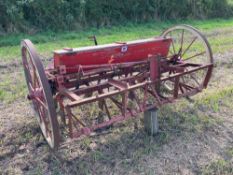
40,94
189,48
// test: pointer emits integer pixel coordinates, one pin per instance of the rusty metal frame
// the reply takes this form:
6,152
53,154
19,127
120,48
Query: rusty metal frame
132,87
146,76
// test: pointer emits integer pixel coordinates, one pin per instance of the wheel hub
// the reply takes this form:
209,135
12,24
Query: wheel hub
36,93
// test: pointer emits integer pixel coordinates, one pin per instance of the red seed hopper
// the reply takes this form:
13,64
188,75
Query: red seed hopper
104,55
90,88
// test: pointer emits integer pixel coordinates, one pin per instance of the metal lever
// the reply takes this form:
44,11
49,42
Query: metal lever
94,39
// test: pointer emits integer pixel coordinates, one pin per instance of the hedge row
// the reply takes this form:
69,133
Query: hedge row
25,15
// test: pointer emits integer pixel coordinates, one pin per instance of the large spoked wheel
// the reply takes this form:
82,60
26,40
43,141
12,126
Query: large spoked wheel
189,48
40,94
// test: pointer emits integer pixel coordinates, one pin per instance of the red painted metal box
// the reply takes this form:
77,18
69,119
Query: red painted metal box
111,53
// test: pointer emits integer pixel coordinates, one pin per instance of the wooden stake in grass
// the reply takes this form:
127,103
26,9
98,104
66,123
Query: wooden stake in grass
151,121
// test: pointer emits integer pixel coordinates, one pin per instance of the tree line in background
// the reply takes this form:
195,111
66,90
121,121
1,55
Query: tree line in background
38,15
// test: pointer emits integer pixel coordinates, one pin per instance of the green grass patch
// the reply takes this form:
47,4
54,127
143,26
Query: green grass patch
196,116
12,87
48,41
214,98
220,167
230,152
136,30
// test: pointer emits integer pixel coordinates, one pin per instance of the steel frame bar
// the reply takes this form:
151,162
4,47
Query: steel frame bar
145,77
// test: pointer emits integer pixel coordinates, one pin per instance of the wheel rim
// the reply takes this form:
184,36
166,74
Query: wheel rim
40,94
188,46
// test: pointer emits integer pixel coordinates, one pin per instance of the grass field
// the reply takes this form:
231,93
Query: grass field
49,41
196,137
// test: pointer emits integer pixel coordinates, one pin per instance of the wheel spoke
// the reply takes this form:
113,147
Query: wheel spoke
199,54
181,88
46,123
173,45
171,52
28,72
43,111
35,79
194,78
189,46
40,113
41,103
186,86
